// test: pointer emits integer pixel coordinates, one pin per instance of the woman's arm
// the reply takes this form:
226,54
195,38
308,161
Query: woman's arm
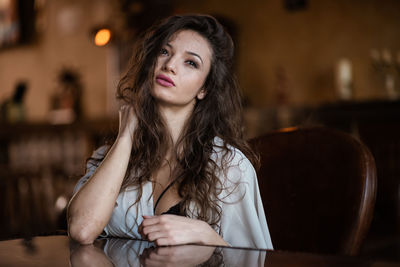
91,207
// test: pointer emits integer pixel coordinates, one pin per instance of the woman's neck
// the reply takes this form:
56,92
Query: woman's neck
175,118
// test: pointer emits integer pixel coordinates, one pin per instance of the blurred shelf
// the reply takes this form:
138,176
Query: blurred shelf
95,126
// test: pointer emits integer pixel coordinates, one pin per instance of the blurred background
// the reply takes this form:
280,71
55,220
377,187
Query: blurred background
299,63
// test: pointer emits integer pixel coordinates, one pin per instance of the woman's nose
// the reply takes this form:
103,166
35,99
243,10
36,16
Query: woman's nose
170,65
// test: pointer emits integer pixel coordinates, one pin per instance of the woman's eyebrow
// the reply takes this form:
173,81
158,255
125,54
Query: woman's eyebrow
188,52
196,55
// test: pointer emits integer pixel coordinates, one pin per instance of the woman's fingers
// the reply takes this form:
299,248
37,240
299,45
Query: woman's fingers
157,236
152,228
127,120
150,220
159,223
157,231
149,224
140,231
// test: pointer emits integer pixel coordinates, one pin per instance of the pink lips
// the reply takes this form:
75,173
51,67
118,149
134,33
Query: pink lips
164,81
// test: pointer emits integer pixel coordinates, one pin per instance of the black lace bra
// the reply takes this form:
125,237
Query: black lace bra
174,210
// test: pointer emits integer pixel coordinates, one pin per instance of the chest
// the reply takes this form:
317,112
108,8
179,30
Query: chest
165,190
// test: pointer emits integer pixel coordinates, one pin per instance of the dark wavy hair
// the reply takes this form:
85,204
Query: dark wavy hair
218,114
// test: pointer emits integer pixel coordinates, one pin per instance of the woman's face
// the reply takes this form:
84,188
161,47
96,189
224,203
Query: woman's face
181,70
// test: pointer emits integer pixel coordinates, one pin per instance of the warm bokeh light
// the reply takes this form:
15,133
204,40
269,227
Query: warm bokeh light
102,37
288,129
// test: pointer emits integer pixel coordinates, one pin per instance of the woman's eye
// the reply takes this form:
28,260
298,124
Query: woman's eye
163,51
192,63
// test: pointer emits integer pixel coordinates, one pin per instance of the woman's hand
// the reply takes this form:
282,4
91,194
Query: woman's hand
127,122
168,229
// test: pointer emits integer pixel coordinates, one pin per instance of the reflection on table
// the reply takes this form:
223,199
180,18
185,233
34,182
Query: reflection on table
59,251
124,252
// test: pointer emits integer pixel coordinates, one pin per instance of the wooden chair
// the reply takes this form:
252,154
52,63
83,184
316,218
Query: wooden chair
318,187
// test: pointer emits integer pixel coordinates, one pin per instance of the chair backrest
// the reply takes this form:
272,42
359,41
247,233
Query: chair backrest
318,187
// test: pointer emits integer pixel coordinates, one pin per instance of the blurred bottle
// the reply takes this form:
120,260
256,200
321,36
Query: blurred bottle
12,110
282,89
344,79
66,101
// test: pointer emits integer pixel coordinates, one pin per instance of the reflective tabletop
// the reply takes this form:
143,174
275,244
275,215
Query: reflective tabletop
60,251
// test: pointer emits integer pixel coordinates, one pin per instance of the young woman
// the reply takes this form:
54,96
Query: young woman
179,170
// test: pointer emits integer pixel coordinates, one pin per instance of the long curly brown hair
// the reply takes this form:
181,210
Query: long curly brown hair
219,114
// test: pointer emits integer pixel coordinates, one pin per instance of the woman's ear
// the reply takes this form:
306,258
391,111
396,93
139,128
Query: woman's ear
201,94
